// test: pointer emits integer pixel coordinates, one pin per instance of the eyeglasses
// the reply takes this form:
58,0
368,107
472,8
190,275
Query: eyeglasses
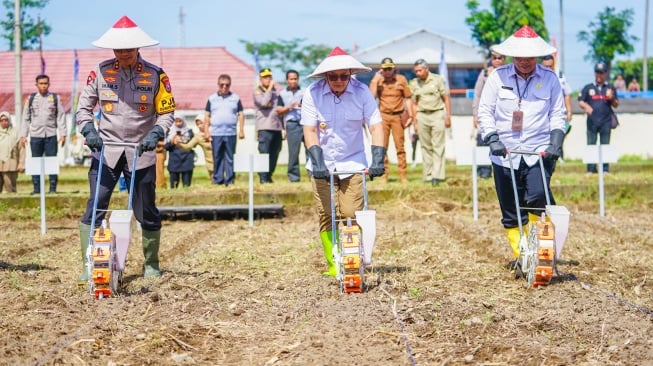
4,119
498,57
336,77
126,50
224,85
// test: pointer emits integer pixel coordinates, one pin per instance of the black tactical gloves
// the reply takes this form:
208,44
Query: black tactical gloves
316,155
93,140
151,139
554,151
497,148
378,155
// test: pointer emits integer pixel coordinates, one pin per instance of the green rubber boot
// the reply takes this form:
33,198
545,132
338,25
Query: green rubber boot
84,233
151,241
327,246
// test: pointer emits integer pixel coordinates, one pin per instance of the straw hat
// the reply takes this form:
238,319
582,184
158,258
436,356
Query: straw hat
524,43
338,59
125,34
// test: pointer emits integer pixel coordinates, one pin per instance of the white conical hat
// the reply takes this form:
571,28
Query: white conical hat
524,43
338,59
125,34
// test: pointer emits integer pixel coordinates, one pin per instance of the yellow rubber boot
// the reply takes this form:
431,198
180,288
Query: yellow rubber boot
327,246
513,239
532,218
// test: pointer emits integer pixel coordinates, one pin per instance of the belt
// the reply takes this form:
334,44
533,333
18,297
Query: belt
429,112
292,121
393,113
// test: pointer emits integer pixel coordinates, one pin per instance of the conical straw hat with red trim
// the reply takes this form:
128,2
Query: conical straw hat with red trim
524,43
338,59
125,34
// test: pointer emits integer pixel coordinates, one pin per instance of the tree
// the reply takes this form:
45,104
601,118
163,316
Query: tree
507,16
288,54
608,36
31,29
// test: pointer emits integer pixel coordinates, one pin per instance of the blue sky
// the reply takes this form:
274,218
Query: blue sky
346,23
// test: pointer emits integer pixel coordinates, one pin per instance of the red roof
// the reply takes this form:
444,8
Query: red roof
193,73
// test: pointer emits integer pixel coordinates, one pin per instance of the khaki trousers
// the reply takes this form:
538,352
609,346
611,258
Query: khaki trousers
431,130
348,198
160,170
392,124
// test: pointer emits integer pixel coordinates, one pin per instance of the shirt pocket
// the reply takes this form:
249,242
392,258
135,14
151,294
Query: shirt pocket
541,99
324,121
507,101
353,121
143,98
108,100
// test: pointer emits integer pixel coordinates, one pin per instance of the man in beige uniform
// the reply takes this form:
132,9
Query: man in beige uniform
137,106
393,93
431,97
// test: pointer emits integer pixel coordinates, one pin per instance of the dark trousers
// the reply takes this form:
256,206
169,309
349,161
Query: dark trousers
530,191
604,132
185,176
44,146
144,198
295,139
223,148
483,171
269,142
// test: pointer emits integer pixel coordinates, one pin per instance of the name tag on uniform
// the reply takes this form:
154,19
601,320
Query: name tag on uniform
517,120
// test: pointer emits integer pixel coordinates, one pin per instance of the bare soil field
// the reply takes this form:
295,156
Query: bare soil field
438,293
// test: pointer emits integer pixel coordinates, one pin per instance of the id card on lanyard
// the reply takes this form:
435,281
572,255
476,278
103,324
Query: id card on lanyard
518,115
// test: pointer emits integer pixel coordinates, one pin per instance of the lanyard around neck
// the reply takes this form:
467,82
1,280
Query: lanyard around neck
519,93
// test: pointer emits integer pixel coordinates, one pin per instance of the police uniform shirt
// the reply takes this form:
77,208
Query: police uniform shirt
131,103
265,101
542,104
594,95
43,119
339,122
224,114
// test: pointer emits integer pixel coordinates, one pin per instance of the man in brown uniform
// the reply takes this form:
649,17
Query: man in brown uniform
393,93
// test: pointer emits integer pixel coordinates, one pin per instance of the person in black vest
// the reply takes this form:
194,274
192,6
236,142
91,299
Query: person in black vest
597,100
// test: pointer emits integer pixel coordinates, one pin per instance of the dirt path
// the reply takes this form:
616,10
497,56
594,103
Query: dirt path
438,294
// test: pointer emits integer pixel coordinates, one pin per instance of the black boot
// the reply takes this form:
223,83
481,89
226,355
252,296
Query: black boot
53,183
36,181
